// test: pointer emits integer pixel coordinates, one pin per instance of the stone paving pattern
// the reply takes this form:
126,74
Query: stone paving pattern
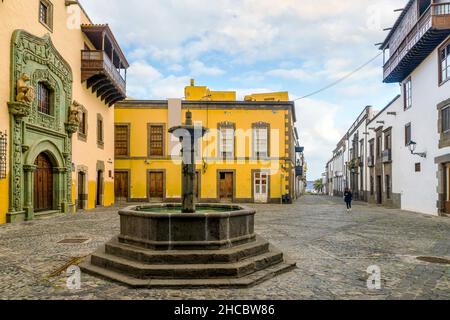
333,250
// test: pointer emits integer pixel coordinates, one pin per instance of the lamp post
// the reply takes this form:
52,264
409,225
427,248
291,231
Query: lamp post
412,147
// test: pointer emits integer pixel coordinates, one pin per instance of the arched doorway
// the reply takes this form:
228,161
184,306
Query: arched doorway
43,184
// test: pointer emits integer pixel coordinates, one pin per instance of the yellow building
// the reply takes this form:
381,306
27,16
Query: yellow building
248,154
61,77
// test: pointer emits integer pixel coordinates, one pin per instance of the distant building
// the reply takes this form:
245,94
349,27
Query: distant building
249,154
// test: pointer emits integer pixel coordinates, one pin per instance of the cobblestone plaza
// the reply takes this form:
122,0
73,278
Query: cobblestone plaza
331,247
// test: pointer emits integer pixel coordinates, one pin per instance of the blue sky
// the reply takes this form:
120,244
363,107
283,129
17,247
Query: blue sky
257,46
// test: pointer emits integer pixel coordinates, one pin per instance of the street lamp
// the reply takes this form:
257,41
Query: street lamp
412,147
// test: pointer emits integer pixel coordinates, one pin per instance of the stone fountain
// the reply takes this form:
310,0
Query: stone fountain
187,245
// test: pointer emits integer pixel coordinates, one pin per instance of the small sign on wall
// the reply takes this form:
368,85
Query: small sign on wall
418,167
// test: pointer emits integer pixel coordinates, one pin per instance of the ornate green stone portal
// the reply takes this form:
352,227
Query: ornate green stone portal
35,62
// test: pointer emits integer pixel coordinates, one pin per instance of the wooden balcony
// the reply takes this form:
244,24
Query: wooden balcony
430,30
102,76
104,66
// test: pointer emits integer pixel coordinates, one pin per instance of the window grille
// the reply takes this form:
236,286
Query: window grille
3,145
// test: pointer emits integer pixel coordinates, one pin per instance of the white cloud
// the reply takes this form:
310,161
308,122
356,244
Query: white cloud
198,68
145,82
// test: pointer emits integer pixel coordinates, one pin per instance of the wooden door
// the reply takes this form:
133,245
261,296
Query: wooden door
261,187
156,186
226,186
99,197
379,190
121,186
81,190
43,184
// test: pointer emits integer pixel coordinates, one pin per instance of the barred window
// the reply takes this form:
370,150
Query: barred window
46,13
156,140
100,130
44,98
3,142
121,139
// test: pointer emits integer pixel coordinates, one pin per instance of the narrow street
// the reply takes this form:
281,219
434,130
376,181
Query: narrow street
332,248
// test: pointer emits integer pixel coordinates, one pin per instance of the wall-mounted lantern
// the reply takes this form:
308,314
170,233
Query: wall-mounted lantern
412,147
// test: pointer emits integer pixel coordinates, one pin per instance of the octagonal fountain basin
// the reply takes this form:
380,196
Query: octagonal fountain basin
165,227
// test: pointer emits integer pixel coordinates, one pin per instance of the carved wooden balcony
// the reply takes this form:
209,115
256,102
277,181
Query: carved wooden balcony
104,67
431,29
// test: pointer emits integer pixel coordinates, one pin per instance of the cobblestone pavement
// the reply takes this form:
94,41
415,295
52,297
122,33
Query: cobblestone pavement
333,250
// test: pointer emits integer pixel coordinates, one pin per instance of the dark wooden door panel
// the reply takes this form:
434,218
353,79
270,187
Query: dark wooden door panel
226,186
121,186
156,185
43,184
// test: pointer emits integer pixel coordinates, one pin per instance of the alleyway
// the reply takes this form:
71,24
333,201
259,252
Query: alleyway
332,248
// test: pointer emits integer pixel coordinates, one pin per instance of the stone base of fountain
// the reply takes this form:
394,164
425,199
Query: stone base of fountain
215,247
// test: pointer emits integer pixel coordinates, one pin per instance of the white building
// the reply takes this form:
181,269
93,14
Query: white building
406,146
419,59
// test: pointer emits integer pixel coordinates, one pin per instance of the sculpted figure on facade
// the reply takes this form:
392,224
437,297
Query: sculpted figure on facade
74,113
25,92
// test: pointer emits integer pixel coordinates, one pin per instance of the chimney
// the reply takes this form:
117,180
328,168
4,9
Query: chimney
192,82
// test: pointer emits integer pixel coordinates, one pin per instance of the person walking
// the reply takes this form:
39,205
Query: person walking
348,198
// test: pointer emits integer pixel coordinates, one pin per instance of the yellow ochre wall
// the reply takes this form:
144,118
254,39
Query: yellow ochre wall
69,41
138,162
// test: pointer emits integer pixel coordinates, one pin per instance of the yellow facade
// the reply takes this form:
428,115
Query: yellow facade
202,93
68,39
279,117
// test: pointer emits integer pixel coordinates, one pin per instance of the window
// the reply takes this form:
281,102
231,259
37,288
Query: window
156,140
418,167
445,116
379,147
444,69
407,93
121,140
226,141
44,97
408,138
260,140
46,13
100,132
387,141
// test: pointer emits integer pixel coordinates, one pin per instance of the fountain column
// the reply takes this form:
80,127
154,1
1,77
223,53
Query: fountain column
189,135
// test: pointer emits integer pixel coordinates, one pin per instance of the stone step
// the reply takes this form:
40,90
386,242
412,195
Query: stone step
233,254
191,271
243,282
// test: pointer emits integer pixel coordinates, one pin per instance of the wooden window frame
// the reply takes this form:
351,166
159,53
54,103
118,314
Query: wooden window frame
49,5
49,96
444,136
127,126
256,126
407,94
83,135
225,125
407,142
100,131
149,140
440,66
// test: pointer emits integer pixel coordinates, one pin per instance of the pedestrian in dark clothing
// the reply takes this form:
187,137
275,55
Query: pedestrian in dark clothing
348,198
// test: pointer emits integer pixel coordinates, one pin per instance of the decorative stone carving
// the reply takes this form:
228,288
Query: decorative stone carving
25,93
35,60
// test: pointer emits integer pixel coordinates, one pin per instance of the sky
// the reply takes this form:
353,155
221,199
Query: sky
253,46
